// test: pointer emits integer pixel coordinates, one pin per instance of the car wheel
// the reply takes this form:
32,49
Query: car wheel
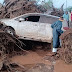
10,30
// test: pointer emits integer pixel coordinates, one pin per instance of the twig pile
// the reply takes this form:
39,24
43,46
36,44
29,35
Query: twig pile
66,50
13,8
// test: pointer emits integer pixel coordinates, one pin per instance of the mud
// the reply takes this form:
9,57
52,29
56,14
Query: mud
34,61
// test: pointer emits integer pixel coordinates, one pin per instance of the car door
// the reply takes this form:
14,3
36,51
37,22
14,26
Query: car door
45,30
42,35
28,28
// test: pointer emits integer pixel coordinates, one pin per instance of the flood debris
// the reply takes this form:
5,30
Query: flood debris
66,50
14,8
8,45
57,12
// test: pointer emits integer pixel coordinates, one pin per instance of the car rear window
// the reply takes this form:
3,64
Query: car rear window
47,19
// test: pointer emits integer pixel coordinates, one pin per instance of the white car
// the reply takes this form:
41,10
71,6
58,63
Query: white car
31,26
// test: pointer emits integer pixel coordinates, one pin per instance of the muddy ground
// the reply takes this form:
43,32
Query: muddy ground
30,60
35,60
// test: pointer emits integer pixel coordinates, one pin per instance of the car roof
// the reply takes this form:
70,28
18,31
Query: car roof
37,14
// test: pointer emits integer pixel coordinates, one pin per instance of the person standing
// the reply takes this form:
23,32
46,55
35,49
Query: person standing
56,33
71,16
66,17
71,20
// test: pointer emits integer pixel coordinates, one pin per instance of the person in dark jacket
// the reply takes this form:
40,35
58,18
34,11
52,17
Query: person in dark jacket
56,33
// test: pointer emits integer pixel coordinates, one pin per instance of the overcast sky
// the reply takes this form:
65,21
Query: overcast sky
1,1
57,3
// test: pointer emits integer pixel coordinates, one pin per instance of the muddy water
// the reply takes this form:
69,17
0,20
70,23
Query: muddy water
60,66
33,58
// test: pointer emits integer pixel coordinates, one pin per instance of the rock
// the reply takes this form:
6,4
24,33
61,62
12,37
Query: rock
41,68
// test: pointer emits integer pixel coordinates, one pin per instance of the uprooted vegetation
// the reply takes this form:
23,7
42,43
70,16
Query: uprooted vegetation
66,50
57,12
9,46
13,8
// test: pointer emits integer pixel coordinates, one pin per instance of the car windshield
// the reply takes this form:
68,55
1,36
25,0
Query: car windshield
29,18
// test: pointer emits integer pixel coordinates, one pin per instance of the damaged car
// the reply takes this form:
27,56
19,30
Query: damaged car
31,26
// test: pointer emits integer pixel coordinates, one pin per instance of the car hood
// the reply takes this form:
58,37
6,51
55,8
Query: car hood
5,21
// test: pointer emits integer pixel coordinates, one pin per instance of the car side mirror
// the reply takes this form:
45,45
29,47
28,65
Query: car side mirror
21,19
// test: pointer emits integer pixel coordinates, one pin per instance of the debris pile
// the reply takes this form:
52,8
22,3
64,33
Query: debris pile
66,50
8,45
41,8
57,12
13,8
